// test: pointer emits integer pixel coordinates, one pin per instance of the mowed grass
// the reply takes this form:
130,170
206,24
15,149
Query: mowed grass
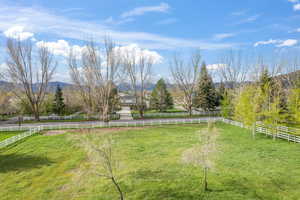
8,134
151,166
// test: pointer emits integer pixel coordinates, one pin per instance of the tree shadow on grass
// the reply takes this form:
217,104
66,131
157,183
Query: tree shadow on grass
20,162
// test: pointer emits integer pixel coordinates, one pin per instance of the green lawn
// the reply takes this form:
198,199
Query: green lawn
63,120
173,117
55,167
5,135
172,110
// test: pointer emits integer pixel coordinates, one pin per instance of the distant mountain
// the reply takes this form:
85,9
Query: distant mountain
52,85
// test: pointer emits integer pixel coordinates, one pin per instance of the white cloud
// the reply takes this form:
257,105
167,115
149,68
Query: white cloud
41,21
162,7
133,50
3,67
288,43
216,66
17,32
61,47
279,43
221,36
270,41
293,1
296,6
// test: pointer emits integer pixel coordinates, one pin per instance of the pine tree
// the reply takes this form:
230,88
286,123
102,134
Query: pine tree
226,104
221,93
161,98
58,106
206,95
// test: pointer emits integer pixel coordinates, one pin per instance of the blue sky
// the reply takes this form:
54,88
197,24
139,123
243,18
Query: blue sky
163,27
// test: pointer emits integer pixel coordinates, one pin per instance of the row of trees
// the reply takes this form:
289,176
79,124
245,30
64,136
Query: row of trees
195,84
95,74
270,95
97,71
264,100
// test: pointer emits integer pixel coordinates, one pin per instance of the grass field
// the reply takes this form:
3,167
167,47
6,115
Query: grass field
173,117
56,167
173,110
5,135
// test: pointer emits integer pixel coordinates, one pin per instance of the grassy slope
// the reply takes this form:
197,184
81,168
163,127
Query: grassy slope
5,135
51,167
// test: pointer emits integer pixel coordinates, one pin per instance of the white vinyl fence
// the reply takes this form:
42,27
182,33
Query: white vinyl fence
16,138
69,117
34,129
282,132
277,132
178,114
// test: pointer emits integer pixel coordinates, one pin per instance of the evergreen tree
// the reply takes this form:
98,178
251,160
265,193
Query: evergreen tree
226,104
161,98
58,106
273,102
206,95
221,93
294,105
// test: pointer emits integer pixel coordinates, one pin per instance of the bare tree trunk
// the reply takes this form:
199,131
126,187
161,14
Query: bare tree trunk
205,184
118,188
254,130
190,111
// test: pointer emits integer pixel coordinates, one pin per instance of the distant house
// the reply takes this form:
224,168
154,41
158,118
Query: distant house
127,99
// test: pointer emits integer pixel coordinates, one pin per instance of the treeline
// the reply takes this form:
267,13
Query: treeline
245,95
273,100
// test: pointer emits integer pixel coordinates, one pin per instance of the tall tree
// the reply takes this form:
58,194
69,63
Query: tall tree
29,73
246,106
58,106
227,108
138,69
294,104
95,76
161,98
185,76
205,95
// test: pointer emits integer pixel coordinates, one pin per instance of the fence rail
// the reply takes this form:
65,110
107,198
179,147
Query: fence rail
34,129
18,137
194,113
282,132
277,132
69,117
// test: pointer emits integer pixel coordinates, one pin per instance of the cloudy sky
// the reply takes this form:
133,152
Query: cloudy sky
158,27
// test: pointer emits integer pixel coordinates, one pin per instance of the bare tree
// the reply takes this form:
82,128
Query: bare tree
204,152
138,68
95,75
233,68
185,76
207,150
104,160
30,72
